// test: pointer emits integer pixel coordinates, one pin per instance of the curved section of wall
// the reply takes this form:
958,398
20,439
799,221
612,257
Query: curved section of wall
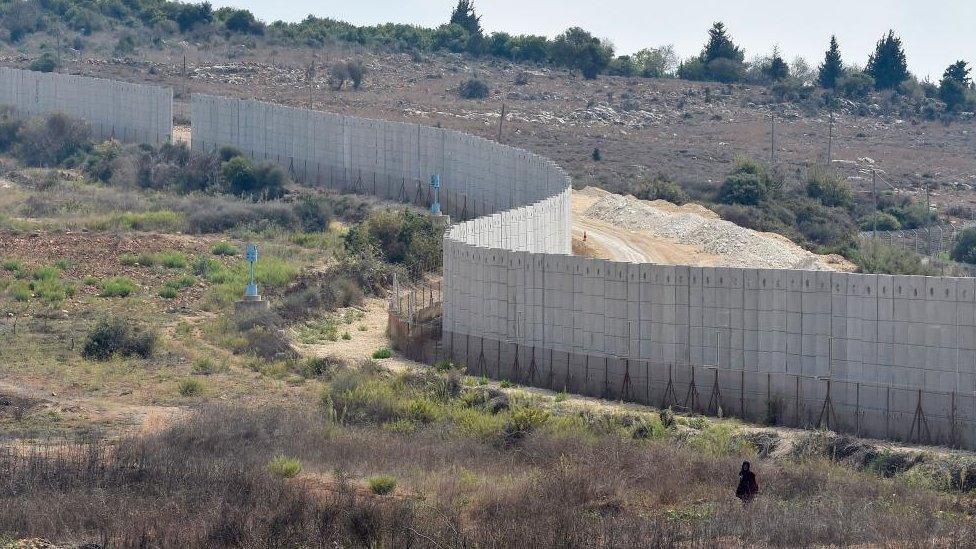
132,113
885,356
519,201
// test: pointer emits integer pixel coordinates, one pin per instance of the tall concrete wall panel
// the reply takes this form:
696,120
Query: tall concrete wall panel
128,112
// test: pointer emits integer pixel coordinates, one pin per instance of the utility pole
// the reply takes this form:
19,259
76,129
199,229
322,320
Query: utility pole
184,74
58,28
501,121
928,220
830,139
309,77
874,183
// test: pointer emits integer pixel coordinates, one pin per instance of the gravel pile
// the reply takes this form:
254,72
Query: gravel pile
738,246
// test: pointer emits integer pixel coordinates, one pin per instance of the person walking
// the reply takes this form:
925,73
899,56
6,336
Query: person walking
748,487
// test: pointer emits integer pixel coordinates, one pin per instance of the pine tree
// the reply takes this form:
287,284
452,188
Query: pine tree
465,17
887,65
777,69
833,67
720,46
958,71
953,89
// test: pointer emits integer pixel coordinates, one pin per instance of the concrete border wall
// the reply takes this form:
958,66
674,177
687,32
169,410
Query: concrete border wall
132,113
884,356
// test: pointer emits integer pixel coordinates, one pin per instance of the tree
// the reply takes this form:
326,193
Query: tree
721,58
465,17
776,69
955,84
965,249
748,183
833,67
578,49
720,46
887,65
655,62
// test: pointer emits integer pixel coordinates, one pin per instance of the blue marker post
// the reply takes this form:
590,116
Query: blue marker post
251,292
435,184
252,299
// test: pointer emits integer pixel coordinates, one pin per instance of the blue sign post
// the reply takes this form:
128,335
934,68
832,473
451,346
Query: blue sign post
251,292
435,184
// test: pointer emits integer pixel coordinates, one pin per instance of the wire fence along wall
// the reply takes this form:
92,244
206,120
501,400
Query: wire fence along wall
859,408
132,113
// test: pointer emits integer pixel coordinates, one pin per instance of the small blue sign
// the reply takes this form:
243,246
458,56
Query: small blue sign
252,252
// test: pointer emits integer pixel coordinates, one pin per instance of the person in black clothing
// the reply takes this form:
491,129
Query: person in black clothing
748,487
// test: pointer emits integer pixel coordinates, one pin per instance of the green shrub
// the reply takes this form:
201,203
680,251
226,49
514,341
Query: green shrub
878,258
190,387
46,273
829,189
284,467
184,281
51,139
167,292
882,221
382,485
523,421
51,291
45,63
11,265
257,182
473,88
400,237
117,287
172,260
118,337
661,188
964,250
382,353
224,248
747,184
138,260
667,418
19,291
206,366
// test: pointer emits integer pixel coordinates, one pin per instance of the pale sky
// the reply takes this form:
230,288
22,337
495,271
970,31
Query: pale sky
936,32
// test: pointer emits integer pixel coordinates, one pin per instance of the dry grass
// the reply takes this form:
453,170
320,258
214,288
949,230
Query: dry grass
571,484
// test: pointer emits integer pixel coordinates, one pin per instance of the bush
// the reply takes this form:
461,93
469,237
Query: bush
172,260
284,467
382,353
167,292
400,237
473,88
117,287
355,71
523,421
661,188
190,387
382,485
117,337
964,249
883,221
45,63
829,189
51,139
878,258
255,182
748,184
224,249
856,86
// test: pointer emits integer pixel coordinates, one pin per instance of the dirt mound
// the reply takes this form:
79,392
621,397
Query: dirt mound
723,243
